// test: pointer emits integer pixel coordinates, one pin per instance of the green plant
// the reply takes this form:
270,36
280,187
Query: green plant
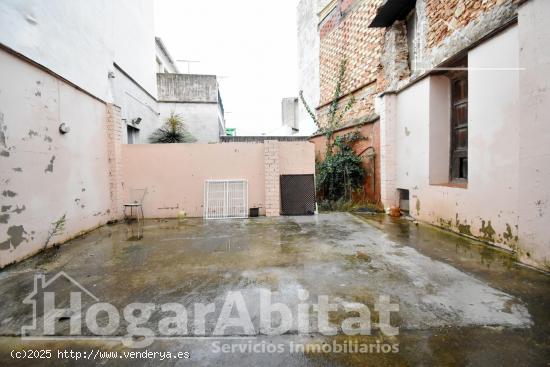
173,131
56,228
341,171
334,119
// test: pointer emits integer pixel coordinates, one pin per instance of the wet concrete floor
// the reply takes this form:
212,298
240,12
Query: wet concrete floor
460,302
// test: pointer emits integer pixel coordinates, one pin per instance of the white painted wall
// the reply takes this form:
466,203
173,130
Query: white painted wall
308,61
165,63
134,103
493,189
81,39
134,41
200,119
72,38
534,134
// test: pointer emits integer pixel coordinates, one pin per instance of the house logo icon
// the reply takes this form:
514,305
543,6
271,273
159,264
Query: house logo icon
56,301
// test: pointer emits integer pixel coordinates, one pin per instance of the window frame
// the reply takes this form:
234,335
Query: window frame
132,134
458,157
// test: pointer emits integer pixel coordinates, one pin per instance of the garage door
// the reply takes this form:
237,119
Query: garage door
297,195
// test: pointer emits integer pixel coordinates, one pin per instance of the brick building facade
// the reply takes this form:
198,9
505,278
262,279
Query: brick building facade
456,91
386,58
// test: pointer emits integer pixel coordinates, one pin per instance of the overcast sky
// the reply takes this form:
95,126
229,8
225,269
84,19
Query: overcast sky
250,44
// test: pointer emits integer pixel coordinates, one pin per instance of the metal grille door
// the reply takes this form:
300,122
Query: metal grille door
225,199
297,195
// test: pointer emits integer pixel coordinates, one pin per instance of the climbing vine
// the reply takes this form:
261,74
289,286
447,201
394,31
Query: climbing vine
341,171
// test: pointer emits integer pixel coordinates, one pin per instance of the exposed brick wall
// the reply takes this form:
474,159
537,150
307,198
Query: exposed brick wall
394,61
114,149
445,28
378,58
350,38
371,132
444,17
272,190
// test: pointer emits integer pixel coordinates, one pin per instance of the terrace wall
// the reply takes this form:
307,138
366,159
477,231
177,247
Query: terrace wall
174,174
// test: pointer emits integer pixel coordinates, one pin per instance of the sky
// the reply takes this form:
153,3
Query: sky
249,44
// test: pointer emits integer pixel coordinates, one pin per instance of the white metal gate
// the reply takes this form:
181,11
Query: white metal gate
225,199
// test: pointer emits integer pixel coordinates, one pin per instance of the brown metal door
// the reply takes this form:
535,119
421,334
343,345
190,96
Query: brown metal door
297,195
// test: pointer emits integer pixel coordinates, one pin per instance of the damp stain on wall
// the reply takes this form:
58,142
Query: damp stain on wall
487,231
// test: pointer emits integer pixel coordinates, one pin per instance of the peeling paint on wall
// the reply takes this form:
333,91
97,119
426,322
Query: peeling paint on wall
15,237
4,218
19,210
3,129
31,134
49,168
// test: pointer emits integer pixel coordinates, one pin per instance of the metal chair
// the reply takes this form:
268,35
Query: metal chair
136,201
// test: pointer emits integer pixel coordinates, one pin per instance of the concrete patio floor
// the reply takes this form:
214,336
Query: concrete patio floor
461,302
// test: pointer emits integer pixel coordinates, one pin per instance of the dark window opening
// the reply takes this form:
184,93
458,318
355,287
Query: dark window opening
403,200
459,123
133,134
410,23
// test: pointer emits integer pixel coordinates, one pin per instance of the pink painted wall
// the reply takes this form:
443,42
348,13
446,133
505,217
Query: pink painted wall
534,134
44,174
174,174
296,158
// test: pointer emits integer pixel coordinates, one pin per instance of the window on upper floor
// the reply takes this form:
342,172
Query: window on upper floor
459,125
448,126
133,134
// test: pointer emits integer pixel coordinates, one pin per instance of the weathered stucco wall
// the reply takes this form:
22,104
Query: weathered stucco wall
174,174
44,174
488,207
534,134
187,88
